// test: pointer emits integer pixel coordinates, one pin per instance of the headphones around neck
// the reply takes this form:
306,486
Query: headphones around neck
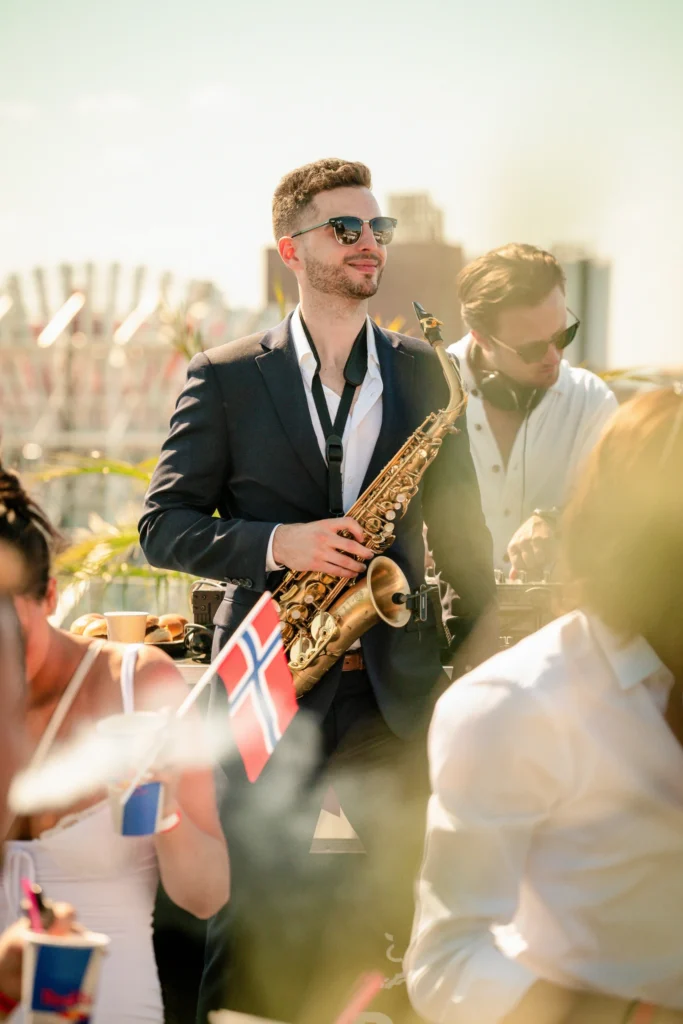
502,391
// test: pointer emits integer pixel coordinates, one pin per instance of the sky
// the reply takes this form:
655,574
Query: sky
154,132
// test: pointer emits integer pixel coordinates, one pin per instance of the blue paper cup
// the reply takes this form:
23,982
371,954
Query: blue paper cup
142,814
60,975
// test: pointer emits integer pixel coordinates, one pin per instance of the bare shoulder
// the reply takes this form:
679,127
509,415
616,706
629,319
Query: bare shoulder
155,665
158,682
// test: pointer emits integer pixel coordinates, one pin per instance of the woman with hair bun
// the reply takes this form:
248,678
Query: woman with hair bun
76,854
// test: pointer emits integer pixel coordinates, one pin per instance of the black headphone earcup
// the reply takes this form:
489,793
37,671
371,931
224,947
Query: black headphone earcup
496,390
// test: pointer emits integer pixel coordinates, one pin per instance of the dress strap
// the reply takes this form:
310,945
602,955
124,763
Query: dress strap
64,705
128,661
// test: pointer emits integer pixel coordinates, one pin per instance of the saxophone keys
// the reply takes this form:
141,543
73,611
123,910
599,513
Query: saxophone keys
295,613
300,652
323,627
289,594
390,514
314,592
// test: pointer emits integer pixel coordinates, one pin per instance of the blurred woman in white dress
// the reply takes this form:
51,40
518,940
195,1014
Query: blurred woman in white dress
76,855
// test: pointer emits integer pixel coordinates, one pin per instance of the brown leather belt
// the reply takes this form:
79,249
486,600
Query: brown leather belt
353,662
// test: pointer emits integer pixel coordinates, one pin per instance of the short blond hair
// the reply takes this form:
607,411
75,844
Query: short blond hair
508,277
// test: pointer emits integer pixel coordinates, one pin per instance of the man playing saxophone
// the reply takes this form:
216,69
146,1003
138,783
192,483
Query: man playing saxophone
280,432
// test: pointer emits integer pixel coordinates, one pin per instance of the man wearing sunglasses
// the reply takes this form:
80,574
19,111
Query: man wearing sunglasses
532,417
281,432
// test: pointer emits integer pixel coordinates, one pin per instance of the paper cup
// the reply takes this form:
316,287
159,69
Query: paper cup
60,975
126,627
143,812
132,738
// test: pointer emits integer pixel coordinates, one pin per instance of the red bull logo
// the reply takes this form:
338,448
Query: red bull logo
74,1006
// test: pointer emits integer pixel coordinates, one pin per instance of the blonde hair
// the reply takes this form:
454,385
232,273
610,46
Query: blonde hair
622,535
511,276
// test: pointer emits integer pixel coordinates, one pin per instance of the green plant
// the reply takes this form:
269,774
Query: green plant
179,330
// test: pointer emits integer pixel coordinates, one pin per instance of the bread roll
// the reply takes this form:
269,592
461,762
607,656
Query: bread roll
158,636
79,624
175,624
152,623
97,628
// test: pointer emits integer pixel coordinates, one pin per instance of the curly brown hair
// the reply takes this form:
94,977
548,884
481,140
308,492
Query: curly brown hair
26,529
297,190
512,275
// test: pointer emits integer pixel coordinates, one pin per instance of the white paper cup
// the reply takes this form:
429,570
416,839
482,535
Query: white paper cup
126,627
60,975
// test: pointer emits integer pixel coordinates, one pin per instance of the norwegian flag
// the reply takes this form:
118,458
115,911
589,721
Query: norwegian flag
261,696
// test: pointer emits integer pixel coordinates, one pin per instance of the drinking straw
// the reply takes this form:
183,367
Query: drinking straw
34,914
367,987
158,744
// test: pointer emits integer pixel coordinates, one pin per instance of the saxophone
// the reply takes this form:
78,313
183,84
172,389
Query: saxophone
323,615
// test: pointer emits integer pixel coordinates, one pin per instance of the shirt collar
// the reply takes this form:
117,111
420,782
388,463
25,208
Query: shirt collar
632,661
304,353
461,350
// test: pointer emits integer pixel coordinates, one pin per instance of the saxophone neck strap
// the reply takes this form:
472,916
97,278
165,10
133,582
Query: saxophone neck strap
354,374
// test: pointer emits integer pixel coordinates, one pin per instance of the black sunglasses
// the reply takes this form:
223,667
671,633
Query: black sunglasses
535,351
347,230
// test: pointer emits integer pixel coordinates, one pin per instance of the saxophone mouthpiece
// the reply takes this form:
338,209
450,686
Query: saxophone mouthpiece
431,327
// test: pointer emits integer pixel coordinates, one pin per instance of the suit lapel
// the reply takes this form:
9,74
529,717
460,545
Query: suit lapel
396,366
282,378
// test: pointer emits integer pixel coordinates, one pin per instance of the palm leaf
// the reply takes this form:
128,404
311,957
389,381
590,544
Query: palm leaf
88,466
90,555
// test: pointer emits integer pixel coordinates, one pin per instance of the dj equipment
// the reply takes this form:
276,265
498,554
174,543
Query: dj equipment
524,606
205,598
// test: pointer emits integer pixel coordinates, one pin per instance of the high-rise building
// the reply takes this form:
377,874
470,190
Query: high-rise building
588,297
420,266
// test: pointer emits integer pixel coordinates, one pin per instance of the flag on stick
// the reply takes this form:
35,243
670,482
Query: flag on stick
261,697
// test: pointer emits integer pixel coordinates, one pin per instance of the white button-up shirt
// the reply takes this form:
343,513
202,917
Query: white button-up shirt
362,426
555,830
547,451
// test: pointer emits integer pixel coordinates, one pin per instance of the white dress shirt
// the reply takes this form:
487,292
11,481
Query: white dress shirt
362,426
555,830
547,451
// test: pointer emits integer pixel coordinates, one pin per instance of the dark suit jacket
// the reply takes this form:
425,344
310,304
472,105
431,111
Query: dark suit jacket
242,442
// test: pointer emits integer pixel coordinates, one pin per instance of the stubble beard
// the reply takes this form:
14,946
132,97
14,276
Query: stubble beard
334,281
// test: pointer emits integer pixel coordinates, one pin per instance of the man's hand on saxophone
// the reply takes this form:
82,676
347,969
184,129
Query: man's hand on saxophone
318,547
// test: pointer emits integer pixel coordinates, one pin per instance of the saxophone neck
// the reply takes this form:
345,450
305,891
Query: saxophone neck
457,396
431,330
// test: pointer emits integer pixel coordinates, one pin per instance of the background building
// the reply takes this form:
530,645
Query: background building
91,363
588,297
